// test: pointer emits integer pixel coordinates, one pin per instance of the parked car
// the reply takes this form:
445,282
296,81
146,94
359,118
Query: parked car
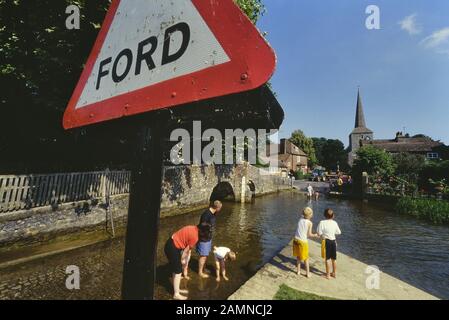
318,175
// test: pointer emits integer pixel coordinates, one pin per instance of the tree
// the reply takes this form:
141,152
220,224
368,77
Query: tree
433,170
252,8
374,161
41,62
407,163
330,153
318,144
299,139
443,151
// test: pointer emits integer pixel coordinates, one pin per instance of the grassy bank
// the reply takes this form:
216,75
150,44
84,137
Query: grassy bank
433,210
287,293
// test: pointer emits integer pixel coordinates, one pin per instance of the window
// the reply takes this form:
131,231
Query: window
432,155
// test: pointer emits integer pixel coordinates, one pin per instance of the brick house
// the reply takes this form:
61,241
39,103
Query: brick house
290,156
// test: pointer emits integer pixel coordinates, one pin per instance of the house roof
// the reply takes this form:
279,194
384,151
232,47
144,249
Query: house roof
277,147
403,144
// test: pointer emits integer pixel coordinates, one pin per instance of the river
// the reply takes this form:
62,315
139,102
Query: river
414,251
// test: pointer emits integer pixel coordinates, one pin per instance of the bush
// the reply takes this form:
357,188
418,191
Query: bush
301,176
434,210
433,170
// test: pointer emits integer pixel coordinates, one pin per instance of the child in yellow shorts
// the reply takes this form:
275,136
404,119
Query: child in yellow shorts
301,243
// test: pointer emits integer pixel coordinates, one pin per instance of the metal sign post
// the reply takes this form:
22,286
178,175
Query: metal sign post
143,215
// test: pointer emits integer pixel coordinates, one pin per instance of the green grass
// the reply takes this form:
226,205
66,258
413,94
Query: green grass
434,210
287,293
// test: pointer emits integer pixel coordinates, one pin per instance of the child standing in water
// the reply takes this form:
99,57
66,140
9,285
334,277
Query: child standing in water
222,254
301,243
327,230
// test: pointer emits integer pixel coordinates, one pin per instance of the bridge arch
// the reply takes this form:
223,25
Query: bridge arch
223,191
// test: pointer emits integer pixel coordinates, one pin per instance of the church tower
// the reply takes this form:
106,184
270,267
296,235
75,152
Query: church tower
360,132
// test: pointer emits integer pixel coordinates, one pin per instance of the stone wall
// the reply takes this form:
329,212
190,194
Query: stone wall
184,189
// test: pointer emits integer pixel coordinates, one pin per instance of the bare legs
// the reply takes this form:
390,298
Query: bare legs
185,267
177,295
307,266
298,266
334,268
202,262
220,268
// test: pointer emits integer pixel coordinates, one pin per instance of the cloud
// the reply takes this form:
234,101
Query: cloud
409,24
436,39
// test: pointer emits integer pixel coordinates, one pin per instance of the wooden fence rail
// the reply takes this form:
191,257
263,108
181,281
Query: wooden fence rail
19,192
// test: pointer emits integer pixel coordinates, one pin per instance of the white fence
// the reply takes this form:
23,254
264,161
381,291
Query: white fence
19,192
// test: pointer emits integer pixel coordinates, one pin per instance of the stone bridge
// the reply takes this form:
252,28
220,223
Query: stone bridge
190,187
184,189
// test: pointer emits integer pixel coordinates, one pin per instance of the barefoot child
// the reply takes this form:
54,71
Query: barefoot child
221,255
327,230
301,243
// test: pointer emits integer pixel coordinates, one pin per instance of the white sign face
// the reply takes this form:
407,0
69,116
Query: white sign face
165,40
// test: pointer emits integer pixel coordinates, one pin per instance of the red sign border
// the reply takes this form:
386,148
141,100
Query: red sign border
252,64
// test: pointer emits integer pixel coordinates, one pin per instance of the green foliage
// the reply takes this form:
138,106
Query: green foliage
299,139
40,64
287,293
374,161
409,167
434,210
254,9
299,175
443,151
330,153
407,163
433,171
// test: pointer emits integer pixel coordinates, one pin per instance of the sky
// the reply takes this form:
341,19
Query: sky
325,51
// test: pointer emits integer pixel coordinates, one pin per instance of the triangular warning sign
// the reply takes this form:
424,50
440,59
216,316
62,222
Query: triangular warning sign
153,54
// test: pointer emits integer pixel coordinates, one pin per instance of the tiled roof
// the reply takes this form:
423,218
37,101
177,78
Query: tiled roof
404,144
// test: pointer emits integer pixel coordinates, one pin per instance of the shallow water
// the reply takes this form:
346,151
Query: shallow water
412,250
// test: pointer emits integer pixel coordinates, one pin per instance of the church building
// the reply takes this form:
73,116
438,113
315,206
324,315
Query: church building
402,143
360,132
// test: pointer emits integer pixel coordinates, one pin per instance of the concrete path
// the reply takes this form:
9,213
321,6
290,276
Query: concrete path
349,285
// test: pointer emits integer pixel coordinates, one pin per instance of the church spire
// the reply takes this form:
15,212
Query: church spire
359,116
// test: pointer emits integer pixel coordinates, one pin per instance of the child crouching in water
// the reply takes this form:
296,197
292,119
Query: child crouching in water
222,254
301,243
327,230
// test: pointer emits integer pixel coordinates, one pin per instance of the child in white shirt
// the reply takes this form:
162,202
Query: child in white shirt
222,254
301,243
327,230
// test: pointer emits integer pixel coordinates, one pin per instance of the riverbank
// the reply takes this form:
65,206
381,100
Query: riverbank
350,283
